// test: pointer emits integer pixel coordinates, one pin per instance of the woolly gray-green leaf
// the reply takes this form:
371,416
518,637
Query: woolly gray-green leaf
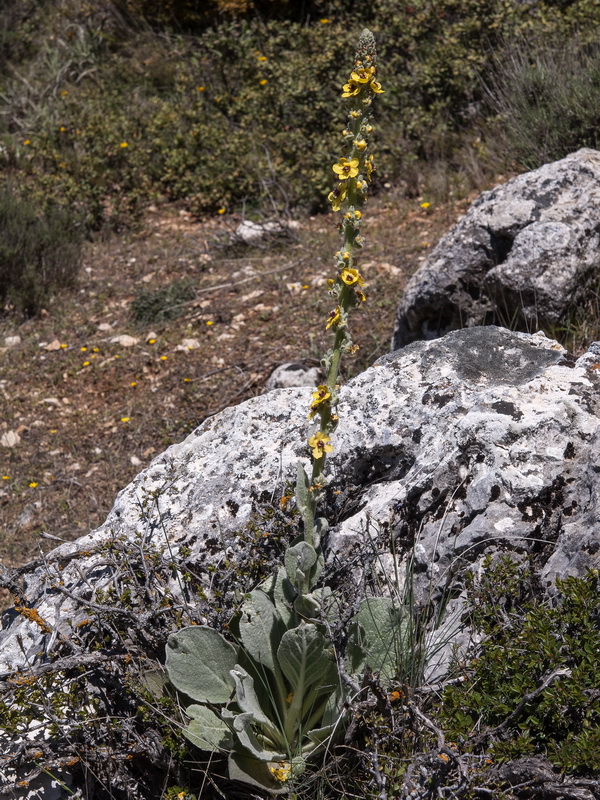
299,561
303,656
386,640
206,730
246,769
246,697
199,661
260,628
283,596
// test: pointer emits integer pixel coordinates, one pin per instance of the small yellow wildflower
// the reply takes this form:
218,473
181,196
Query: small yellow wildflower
369,166
263,82
163,358
200,88
209,322
424,205
346,169
187,380
363,75
33,485
283,772
319,444
262,58
62,129
337,196
351,89
63,346
333,319
53,430
64,93
6,477
123,145
27,141
351,276
320,395
151,341
95,349
221,211
86,363
133,384
125,419
355,114
324,21
83,349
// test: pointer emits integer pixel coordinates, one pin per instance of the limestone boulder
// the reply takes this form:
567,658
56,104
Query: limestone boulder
524,256
481,441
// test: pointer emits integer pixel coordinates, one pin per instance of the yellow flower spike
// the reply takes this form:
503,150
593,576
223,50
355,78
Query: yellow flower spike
351,277
333,319
319,444
345,169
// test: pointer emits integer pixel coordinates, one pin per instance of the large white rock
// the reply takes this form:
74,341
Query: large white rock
524,255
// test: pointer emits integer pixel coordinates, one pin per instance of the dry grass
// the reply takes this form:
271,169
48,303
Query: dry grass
89,413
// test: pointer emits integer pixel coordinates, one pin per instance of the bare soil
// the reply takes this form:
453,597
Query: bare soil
82,410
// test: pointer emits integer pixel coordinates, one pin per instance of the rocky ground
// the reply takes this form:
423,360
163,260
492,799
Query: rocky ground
168,325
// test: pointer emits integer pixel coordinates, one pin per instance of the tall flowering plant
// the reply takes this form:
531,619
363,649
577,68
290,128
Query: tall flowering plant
354,172
274,698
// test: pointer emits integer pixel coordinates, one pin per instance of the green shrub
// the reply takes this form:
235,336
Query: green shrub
162,304
39,253
241,113
548,98
533,687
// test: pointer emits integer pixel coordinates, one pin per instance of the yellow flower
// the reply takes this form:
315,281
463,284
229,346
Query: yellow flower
27,141
363,75
123,145
351,89
163,358
133,384
125,419
263,82
262,58
333,318
360,144
351,276
346,169
200,88
361,295
86,363
324,21
375,86
209,322
33,485
221,211
282,772
6,477
319,444
355,114
369,166
151,341
424,205
337,196
320,395
83,349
